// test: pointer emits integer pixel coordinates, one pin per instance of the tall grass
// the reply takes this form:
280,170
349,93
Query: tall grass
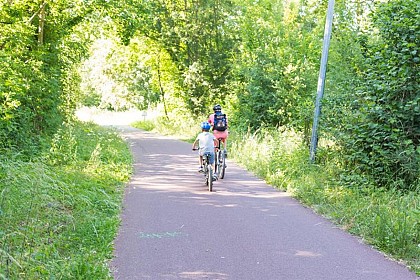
387,219
59,213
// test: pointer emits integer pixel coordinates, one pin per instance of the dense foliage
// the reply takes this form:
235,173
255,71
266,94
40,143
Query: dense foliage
383,137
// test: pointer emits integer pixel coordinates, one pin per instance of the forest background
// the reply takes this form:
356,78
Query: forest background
174,60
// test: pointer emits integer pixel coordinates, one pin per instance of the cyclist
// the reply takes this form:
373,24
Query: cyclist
220,133
206,142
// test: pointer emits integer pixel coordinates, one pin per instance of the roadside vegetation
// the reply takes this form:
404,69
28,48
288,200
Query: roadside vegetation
59,211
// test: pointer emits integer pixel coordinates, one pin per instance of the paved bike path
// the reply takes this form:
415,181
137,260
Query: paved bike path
173,228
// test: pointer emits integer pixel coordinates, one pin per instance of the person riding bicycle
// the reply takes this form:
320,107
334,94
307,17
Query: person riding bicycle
206,142
219,124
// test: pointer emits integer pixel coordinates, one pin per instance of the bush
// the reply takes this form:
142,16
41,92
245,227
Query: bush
383,138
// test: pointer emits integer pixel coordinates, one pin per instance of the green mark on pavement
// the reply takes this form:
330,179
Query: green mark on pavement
161,235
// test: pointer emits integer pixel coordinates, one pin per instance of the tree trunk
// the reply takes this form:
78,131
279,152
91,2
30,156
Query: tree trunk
162,92
41,24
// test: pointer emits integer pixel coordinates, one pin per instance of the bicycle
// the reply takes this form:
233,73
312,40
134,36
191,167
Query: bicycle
207,170
220,159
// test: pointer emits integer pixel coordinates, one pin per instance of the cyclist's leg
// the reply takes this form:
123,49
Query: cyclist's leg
212,163
200,169
211,158
224,141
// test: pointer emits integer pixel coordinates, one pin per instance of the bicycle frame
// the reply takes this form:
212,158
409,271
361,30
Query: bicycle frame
208,171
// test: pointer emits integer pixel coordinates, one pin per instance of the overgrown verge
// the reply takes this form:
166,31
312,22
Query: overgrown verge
59,213
388,219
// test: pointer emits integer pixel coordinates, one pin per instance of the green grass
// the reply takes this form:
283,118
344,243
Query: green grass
145,125
59,213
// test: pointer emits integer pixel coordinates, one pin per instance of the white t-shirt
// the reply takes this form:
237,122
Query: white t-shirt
206,142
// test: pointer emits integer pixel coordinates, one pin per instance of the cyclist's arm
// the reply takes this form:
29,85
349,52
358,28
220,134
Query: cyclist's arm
211,120
195,144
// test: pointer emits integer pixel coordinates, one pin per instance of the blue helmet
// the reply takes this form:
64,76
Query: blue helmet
205,126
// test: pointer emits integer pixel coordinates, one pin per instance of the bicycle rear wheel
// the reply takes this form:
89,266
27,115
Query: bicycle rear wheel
216,160
222,165
210,178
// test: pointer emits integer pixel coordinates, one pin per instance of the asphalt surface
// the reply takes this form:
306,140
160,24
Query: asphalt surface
174,228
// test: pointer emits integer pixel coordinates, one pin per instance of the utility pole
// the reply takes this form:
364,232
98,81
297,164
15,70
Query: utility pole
321,79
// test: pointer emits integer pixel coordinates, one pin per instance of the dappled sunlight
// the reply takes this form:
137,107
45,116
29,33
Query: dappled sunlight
150,135
202,275
170,176
167,167
193,275
250,194
175,175
307,254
